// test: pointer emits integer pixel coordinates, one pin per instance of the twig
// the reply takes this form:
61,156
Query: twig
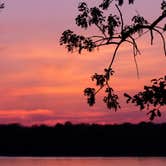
120,13
163,39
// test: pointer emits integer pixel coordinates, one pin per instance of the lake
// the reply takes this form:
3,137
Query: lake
85,161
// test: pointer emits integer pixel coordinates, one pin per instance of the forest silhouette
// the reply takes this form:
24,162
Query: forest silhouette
144,139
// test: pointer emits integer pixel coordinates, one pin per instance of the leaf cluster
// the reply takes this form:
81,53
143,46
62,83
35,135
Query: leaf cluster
90,93
111,99
78,42
88,16
111,27
2,5
106,3
101,80
163,6
152,96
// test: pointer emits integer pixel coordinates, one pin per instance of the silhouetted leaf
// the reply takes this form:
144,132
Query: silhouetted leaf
164,28
90,93
96,16
120,2
163,5
131,1
105,4
153,96
82,18
113,22
77,42
82,7
154,80
111,99
2,5
108,73
100,80
128,96
158,113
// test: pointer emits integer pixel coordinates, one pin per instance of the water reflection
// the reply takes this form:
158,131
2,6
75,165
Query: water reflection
114,161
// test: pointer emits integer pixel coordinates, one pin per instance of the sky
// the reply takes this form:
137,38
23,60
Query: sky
41,83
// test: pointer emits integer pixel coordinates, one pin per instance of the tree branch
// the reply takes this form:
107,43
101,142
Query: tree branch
120,13
114,55
163,39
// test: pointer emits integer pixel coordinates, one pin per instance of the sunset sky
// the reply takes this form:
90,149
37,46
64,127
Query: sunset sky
40,82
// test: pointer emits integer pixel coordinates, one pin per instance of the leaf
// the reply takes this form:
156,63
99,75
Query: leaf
105,4
90,93
91,100
164,28
96,16
2,5
131,1
153,80
158,113
120,2
82,7
163,5
152,114
111,99
126,95
113,22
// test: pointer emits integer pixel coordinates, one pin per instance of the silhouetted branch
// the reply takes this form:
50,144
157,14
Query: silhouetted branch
152,98
114,54
120,13
163,39
113,33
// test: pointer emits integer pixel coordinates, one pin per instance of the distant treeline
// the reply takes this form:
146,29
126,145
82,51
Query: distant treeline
144,139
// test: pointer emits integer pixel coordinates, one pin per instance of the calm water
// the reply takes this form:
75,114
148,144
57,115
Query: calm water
114,161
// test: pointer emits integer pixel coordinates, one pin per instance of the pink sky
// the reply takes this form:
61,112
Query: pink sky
42,83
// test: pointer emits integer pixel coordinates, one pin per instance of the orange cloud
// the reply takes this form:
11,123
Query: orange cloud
24,113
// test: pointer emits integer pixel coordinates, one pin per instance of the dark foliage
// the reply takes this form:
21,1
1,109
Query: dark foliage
2,5
74,41
144,139
90,92
111,99
106,3
153,96
113,31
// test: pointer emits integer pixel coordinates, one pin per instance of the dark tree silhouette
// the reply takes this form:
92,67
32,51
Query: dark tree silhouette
69,139
113,31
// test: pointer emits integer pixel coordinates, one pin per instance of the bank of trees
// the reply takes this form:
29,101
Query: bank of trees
144,139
